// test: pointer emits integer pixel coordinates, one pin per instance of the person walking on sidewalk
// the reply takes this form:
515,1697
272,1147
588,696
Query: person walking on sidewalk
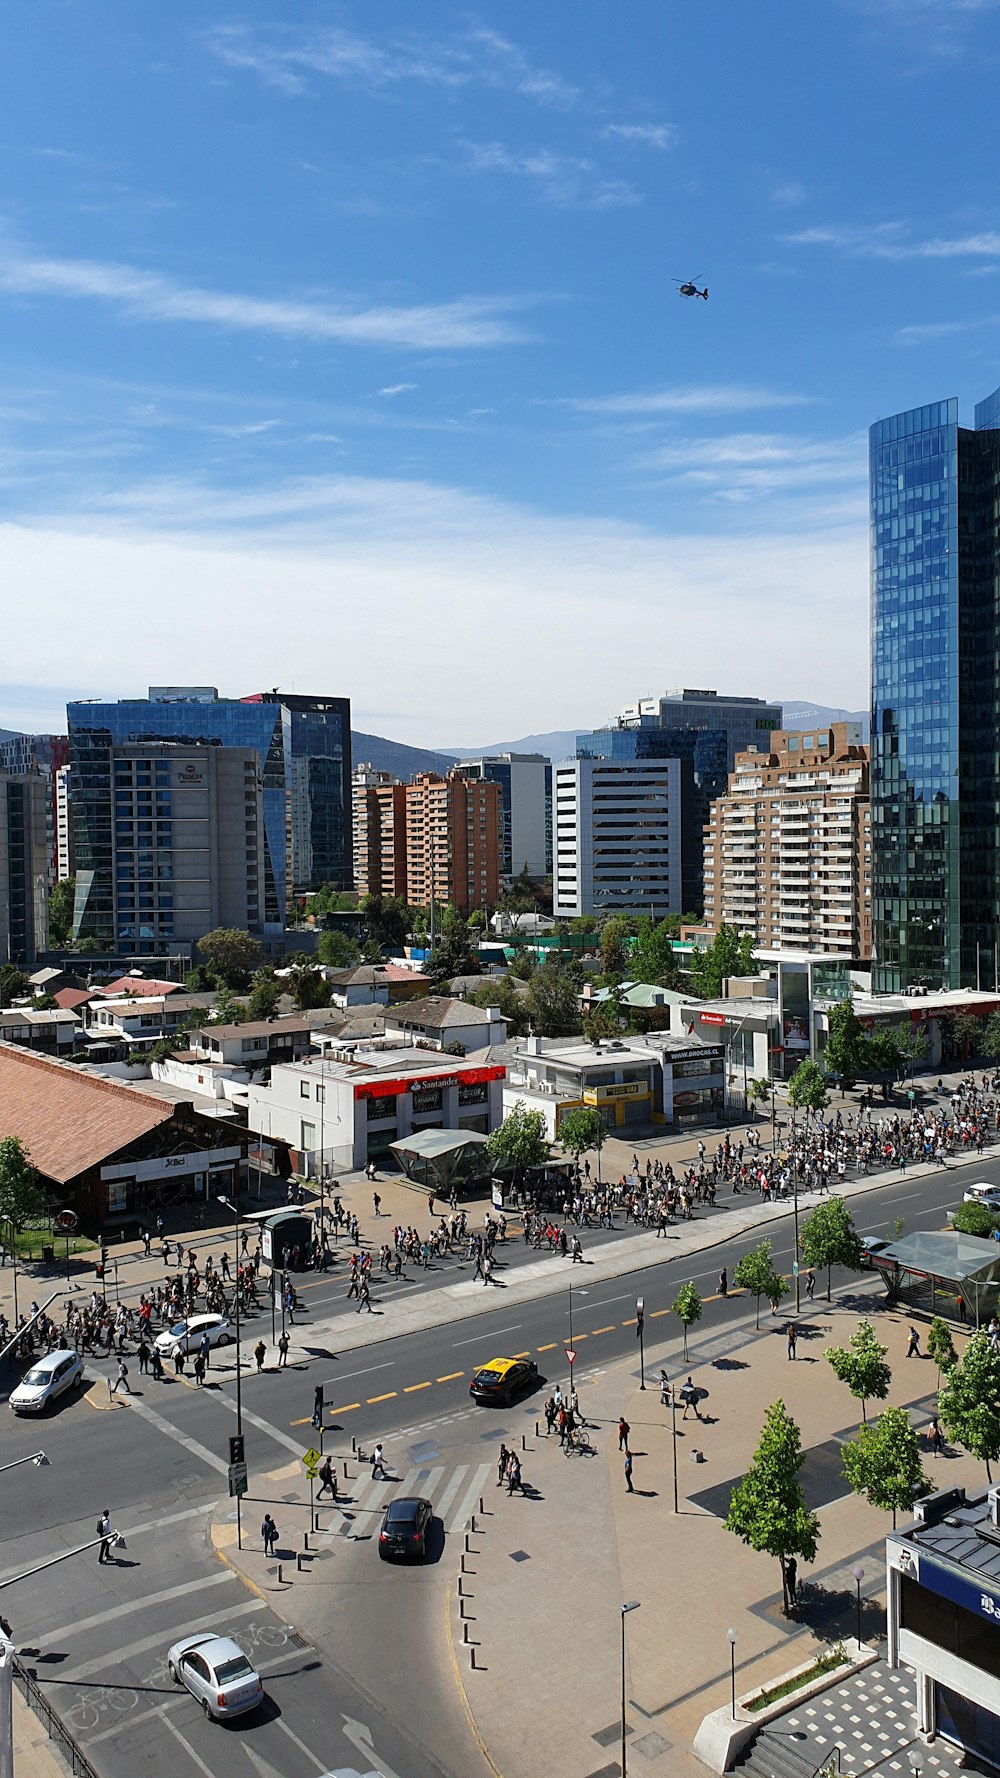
628,1472
689,1396
121,1381
664,1390
913,1344
269,1534
104,1533
723,1282
327,1479
502,1462
365,1295
810,1285
260,1353
550,1416
791,1334
623,1431
376,1200
283,1345
378,1464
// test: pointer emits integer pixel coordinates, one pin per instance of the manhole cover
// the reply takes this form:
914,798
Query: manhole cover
519,1556
230,1518
651,1746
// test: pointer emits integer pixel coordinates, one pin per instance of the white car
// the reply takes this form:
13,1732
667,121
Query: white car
987,1195
188,1334
48,1378
217,1673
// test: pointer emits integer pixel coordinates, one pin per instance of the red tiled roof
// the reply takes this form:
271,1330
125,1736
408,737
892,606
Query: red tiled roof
70,998
69,1121
138,984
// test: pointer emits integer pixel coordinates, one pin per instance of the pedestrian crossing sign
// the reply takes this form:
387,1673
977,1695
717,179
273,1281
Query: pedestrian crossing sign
311,1460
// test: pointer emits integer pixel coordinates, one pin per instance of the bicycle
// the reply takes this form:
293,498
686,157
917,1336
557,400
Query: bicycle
579,1441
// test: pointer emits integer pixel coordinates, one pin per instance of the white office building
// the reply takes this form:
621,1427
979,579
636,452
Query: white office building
616,837
525,781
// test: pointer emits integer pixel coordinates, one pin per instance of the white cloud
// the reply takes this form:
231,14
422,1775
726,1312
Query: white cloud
781,465
478,56
644,135
397,388
351,546
567,181
246,429
710,398
465,322
892,240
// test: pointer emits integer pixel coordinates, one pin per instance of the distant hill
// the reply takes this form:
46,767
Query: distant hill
801,715
394,757
557,744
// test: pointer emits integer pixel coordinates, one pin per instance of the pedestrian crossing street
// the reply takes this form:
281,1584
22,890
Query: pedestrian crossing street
453,1490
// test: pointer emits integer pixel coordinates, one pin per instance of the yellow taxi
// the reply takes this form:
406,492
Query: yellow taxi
498,1382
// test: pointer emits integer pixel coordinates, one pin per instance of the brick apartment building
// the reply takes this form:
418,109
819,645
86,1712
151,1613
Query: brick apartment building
788,849
379,814
453,841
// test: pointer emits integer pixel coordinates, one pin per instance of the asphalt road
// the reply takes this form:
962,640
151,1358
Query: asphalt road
101,1633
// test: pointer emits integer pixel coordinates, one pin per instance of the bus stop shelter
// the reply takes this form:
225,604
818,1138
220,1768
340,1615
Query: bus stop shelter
939,1273
442,1159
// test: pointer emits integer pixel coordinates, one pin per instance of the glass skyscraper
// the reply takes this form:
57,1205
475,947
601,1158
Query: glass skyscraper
935,631
316,742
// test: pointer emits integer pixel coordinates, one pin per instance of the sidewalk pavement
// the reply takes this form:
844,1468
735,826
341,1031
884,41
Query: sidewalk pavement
550,1572
34,1754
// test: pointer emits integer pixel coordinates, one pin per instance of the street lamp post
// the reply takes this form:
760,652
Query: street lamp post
627,1606
731,1637
859,1575
570,1347
673,1435
235,1208
38,1458
640,1315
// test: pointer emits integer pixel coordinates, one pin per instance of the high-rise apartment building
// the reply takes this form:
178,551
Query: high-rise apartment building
525,781
616,837
935,622
379,804
47,755
452,841
788,848
316,742
24,866
65,847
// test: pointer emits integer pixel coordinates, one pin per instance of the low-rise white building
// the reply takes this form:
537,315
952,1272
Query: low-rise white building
441,1020
634,1082
335,1115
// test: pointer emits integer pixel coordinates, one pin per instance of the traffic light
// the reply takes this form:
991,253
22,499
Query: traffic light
102,1262
317,1413
236,1453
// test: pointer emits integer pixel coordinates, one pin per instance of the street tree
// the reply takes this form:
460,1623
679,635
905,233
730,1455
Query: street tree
552,1000
61,898
499,991
883,1463
653,958
228,1010
615,946
967,1034
990,1042
582,1129
231,955
847,1048
829,1238
861,1365
969,1403
758,1093
519,1143
453,953
687,1307
337,950
523,897
767,1509
941,1346
730,953
21,1198
975,1219
756,1273
13,984
807,1087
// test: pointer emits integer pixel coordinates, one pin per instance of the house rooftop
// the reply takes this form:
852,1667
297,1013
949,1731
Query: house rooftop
68,1120
437,1014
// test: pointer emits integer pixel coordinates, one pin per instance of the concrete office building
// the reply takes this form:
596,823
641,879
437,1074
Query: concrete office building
935,624
525,781
743,721
452,841
788,848
24,867
47,755
616,837
378,803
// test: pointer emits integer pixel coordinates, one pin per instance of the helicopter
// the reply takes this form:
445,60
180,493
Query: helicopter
689,287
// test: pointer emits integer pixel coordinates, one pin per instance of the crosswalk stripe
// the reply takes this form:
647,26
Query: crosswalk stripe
122,1606
472,1494
442,1505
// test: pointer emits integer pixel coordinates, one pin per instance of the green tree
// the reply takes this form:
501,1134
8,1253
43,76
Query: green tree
767,1509
913,1042
61,898
388,920
991,1036
522,897
967,1034
847,1047
520,1142
687,1307
975,1219
829,1238
861,1365
231,955
730,953
552,1000
807,1088
228,1010
265,993
308,988
499,991
198,980
615,947
756,1273
582,1129
21,1198
13,984
338,950
478,924
969,1403
454,951
883,1463
885,1053
941,1346
653,956
758,1093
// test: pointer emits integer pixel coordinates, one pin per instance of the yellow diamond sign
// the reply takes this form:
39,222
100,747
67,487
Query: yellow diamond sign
311,1460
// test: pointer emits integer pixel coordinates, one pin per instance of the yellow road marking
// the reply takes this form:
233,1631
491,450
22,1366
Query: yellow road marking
549,1348
411,1388
653,1313
450,1378
349,1409
599,1330
632,1323
372,1399
306,1421
522,1354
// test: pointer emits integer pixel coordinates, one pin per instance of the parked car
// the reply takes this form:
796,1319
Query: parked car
870,1246
404,1528
47,1379
499,1381
217,1673
987,1195
188,1334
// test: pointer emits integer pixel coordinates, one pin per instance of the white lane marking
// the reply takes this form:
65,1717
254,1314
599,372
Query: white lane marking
441,1506
185,1743
320,1764
263,1667
191,1512
462,1514
480,1339
200,1451
281,1438
127,1605
162,1639
365,1373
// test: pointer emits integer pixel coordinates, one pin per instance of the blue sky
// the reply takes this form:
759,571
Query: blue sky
339,346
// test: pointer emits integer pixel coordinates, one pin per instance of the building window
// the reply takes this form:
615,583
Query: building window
303,1089
308,1142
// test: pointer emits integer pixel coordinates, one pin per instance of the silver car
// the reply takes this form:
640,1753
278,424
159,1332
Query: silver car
47,1378
217,1673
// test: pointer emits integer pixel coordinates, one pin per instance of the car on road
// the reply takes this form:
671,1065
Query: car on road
404,1529
871,1246
987,1195
217,1673
46,1379
188,1334
498,1382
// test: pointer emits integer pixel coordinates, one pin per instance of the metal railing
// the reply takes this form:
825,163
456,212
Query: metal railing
77,1761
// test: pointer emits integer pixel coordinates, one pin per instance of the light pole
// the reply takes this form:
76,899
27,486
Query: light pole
570,1349
673,1435
640,1315
627,1606
731,1638
859,1575
38,1458
235,1208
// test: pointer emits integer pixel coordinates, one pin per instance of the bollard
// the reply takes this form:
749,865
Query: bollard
345,1469
354,1445
464,1569
524,1442
468,1546
298,1563
465,1634
472,1651
281,1578
460,1593
482,1506
305,1540
472,1524
462,1612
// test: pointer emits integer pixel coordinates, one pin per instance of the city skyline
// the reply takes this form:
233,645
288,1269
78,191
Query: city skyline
374,319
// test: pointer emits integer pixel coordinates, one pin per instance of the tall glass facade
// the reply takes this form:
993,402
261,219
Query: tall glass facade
316,738
935,565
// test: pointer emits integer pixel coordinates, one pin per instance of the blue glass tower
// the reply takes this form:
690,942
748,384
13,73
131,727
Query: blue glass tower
935,629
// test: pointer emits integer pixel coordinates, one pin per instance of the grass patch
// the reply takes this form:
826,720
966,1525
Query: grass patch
29,1242
771,1694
